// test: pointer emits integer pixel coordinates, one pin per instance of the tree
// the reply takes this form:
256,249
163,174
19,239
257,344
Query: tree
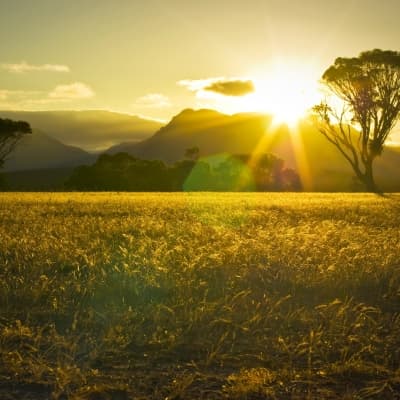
120,171
11,133
369,86
192,153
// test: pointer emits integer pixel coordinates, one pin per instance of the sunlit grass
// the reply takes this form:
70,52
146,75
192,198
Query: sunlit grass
190,295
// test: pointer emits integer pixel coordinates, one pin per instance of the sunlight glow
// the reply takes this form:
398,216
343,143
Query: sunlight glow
285,90
288,91
302,163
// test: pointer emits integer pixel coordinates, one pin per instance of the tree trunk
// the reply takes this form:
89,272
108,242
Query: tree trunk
368,178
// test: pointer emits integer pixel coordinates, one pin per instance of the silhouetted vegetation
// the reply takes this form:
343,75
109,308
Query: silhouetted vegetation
11,133
3,184
369,85
120,172
123,172
192,153
42,180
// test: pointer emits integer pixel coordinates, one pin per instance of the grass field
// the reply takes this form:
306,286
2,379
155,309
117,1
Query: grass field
199,296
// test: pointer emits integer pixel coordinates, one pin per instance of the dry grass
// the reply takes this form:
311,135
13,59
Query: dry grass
213,296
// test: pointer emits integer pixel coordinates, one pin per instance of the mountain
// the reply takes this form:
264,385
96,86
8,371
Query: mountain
321,166
91,130
209,130
38,151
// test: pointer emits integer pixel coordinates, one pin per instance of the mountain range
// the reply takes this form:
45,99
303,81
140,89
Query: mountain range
319,164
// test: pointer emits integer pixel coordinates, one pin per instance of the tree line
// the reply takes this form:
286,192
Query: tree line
123,172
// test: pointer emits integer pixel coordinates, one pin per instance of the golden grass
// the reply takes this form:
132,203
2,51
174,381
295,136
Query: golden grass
214,296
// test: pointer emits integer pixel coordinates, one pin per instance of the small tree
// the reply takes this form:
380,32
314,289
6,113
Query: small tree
192,153
11,133
369,86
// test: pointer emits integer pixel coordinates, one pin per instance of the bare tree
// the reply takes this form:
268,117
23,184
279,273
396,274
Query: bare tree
369,86
11,133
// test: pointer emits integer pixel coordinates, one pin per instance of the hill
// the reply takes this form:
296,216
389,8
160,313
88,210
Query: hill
38,151
210,130
91,130
320,165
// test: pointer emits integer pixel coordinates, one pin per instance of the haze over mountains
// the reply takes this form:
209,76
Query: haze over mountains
41,151
319,164
91,130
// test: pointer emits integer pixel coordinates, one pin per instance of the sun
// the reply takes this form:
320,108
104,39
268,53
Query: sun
287,92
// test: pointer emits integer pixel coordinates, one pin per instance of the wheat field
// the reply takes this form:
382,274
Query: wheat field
199,296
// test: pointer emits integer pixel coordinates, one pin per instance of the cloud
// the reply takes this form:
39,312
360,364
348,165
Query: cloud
35,99
234,87
76,90
16,98
196,85
153,100
23,67
21,99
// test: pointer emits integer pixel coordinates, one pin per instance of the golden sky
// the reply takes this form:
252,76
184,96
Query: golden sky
156,57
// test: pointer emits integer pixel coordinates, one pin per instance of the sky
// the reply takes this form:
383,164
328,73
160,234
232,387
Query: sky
154,58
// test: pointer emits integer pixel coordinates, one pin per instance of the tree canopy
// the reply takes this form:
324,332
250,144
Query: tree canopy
369,86
122,172
11,133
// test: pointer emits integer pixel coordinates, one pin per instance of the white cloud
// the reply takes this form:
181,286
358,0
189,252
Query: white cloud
153,100
196,85
33,100
17,98
23,66
76,90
